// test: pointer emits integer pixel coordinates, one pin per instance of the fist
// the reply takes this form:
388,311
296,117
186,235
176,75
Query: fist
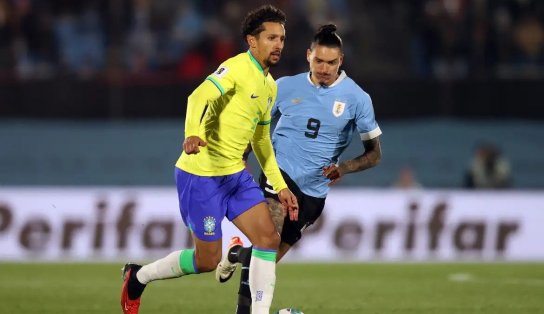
192,145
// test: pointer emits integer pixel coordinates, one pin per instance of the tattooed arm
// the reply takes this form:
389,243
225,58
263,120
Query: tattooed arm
370,158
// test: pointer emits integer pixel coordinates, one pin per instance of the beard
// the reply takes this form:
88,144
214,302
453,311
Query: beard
273,60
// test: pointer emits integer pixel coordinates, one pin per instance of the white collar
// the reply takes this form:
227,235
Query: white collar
340,78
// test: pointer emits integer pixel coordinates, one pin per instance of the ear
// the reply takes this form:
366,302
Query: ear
251,41
340,60
308,55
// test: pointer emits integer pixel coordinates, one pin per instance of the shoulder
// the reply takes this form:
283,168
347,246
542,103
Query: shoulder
240,59
233,65
357,92
291,81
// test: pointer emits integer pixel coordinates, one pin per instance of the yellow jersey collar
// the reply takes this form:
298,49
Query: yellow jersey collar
257,64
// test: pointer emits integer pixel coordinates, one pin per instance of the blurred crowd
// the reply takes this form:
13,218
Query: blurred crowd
185,39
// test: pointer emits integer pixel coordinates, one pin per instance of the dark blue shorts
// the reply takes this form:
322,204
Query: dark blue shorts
204,201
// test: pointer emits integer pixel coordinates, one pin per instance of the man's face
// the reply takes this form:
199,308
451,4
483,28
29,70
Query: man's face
269,43
324,64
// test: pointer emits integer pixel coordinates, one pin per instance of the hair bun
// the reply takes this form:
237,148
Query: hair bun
327,28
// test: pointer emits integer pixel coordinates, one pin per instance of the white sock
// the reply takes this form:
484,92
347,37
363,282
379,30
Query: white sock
262,279
164,268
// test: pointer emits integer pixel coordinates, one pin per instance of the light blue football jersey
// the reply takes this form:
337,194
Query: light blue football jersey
316,125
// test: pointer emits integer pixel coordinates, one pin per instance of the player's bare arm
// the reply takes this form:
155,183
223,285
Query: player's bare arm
370,158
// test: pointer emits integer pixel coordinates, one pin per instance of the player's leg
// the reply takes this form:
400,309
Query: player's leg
236,252
257,226
195,205
239,254
291,232
203,258
227,266
247,209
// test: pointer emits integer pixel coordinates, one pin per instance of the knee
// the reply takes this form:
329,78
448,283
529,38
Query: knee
270,240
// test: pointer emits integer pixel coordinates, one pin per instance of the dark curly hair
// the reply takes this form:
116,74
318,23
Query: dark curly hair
326,36
253,23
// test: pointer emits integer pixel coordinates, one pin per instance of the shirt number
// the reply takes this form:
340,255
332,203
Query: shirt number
313,125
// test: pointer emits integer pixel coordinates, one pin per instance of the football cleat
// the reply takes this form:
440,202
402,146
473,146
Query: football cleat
127,305
225,269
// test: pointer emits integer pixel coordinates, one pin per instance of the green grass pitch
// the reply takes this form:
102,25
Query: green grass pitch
461,288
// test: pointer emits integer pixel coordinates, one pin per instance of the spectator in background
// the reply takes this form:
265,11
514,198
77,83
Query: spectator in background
407,179
488,170
528,58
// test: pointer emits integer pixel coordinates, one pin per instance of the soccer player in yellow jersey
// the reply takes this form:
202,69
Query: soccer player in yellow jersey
230,109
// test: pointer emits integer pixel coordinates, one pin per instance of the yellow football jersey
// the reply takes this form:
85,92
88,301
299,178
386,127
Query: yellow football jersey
229,120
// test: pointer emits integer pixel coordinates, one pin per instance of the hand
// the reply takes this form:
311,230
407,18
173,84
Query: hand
192,143
289,203
333,173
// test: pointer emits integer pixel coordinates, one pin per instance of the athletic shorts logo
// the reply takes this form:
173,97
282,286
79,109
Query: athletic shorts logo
338,108
209,225
221,72
259,296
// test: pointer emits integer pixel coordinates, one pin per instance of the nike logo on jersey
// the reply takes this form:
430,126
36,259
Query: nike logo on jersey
296,101
253,96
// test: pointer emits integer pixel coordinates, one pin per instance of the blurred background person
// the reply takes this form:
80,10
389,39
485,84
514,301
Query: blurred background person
407,179
488,169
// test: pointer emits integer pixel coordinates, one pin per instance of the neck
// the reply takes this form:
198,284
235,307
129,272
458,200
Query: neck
263,65
265,69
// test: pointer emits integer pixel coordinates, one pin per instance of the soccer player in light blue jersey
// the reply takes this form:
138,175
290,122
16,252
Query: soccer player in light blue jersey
319,112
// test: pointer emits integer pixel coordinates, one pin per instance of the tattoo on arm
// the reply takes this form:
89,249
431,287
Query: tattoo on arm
370,158
276,212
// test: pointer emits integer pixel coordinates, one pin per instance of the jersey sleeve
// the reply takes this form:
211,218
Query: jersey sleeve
216,85
262,147
364,119
196,106
264,153
224,77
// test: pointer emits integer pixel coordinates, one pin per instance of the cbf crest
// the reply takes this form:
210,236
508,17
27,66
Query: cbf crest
209,225
338,108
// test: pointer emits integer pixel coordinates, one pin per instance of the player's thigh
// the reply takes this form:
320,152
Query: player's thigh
202,202
276,212
248,210
257,226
